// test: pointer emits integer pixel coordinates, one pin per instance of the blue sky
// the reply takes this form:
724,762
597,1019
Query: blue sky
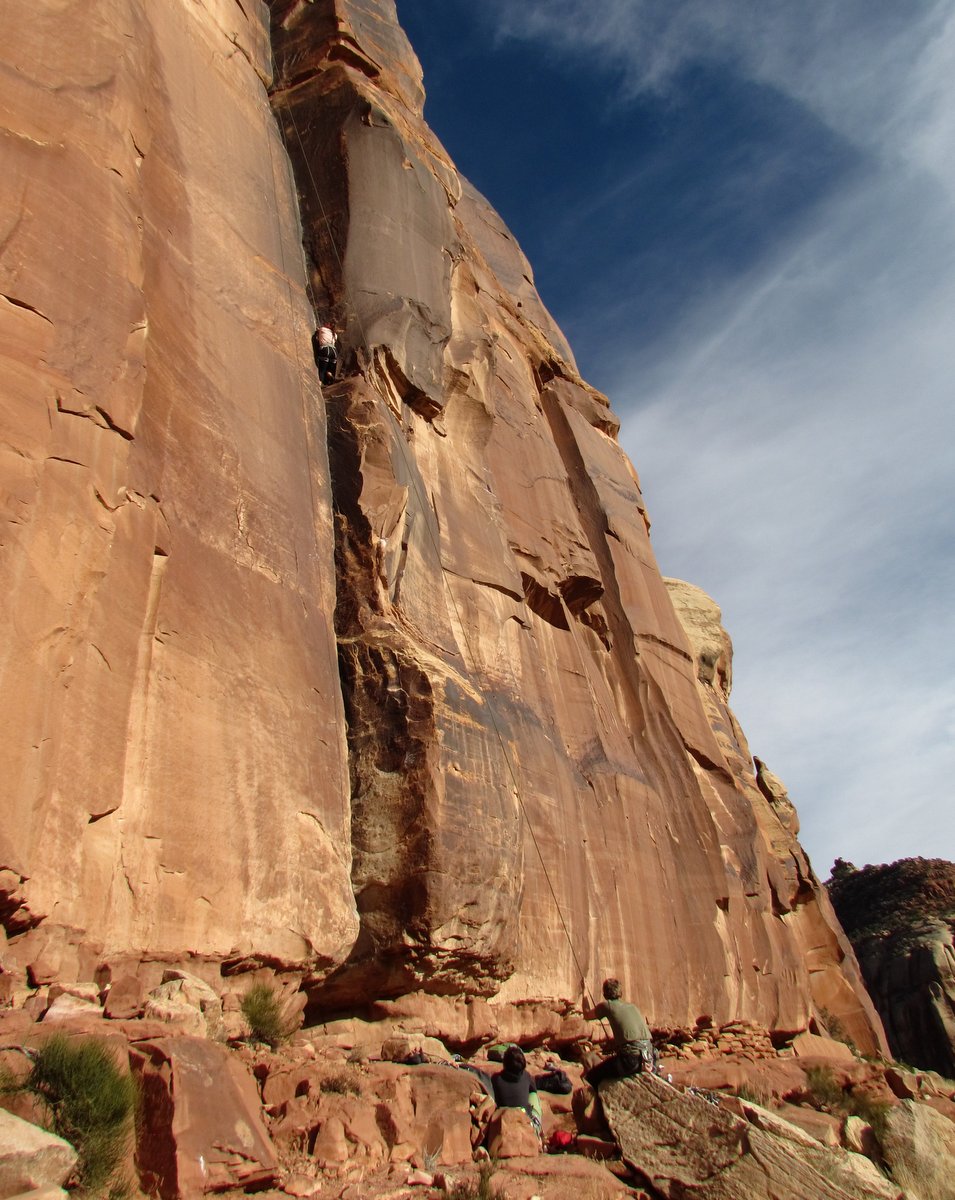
742,214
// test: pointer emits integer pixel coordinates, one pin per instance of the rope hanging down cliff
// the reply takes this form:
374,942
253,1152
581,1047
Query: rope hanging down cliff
423,502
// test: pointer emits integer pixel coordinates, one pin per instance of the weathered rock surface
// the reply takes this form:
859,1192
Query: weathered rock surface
523,707
685,1147
202,1123
834,980
173,756
919,1147
31,1158
901,920
522,699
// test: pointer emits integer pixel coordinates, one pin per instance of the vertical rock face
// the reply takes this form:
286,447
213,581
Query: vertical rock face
901,920
539,791
173,760
536,788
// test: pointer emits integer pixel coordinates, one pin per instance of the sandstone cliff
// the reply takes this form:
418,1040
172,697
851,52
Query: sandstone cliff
901,920
383,686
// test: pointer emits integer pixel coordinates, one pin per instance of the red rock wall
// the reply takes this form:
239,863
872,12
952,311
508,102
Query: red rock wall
535,788
539,788
173,761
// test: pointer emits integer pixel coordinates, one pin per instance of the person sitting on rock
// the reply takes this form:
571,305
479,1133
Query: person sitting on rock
326,355
632,1044
514,1087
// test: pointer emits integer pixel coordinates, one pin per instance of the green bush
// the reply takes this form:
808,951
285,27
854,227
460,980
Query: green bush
263,1014
870,1110
826,1093
91,1103
824,1088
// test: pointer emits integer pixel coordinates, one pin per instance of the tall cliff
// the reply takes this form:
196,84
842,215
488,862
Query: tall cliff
383,686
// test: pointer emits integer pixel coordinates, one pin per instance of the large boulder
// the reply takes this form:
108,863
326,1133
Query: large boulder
687,1147
202,1129
31,1158
510,1134
919,1147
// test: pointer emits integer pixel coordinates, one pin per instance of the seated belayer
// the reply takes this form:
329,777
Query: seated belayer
326,353
514,1087
632,1043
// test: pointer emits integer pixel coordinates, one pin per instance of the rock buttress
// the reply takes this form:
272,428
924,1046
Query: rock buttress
901,920
173,762
538,789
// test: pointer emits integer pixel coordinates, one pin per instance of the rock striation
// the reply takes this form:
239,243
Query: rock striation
382,687
901,920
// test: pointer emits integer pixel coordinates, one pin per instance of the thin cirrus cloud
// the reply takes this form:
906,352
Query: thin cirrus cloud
786,387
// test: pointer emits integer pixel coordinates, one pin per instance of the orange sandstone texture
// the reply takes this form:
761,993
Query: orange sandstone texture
533,786
173,760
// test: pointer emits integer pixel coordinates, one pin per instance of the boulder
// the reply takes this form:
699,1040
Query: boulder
203,1129
918,1145
46,1193
510,1134
348,1132
685,1146
812,1045
31,1158
402,1046
180,987
859,1137
822,1126
82,991
903,1084
124,998
67,1007
427,1112
183,1017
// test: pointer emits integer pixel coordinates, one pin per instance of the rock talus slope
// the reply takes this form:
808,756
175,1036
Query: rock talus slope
535,784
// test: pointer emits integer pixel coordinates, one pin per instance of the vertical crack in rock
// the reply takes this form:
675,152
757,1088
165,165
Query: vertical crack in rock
139,708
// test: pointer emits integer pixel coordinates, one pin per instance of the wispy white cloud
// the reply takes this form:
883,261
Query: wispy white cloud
794,431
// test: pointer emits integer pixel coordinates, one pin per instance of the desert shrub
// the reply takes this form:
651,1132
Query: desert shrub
826,1093
91,1103
868,1108
479,1189
263,1014
343,1083
824,1088
756,1094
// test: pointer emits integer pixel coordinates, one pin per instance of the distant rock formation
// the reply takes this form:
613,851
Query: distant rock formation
901,920
382,687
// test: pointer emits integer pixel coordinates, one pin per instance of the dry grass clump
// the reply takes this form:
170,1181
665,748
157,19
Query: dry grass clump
344,1082
263,1015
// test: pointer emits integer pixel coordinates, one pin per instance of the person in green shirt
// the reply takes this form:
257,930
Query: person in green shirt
632,1043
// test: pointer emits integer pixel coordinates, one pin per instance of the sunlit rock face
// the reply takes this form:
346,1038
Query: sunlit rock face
173,757
383,685
542,786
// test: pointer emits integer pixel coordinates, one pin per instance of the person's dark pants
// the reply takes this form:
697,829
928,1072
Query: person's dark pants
620,1066
327,362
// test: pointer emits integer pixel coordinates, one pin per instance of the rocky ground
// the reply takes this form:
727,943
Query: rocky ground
335,1111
